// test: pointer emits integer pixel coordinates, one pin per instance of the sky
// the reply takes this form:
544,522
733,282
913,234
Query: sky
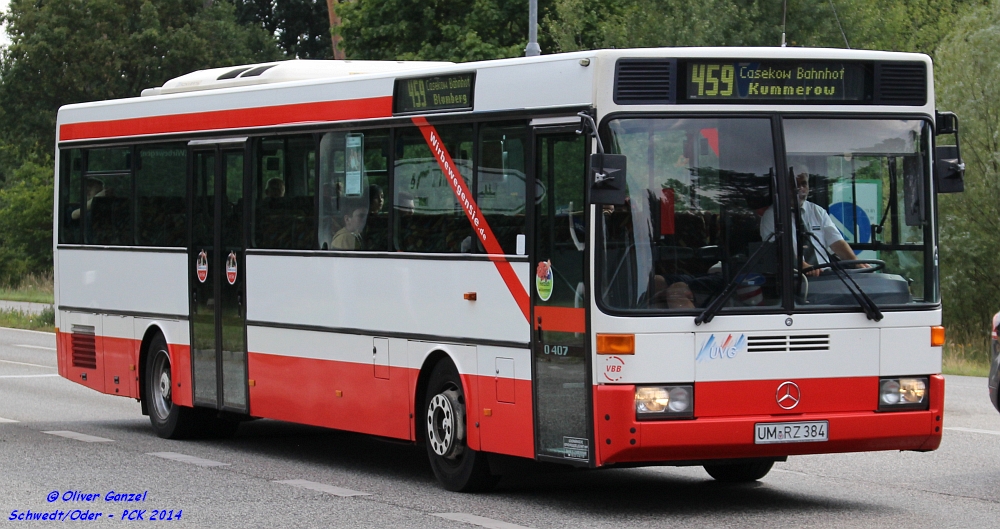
3,34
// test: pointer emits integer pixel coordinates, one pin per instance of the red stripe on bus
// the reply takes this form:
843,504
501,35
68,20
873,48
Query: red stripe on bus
373,107
474,214
562,319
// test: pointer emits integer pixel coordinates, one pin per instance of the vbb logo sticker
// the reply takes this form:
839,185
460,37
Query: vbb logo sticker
728,348
613,368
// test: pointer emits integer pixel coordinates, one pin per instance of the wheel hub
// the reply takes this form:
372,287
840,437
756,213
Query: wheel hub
445,424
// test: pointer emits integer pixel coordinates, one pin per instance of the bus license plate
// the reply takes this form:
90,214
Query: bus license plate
791,432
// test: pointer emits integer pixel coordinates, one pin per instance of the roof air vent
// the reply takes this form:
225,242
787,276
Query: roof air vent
645,81
231,74
901,83
258,70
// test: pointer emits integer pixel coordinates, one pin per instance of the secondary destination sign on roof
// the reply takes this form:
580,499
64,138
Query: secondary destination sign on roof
746,82
429,94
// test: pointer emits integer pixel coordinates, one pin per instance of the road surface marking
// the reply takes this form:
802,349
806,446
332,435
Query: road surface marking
323,487
80,437
972,430
188,459
26,364
35,346
489,523
28,376
2,420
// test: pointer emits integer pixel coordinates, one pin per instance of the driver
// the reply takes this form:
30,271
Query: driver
819,223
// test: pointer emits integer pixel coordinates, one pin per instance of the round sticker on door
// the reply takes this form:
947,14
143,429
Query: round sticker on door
231,268
201,266
543,280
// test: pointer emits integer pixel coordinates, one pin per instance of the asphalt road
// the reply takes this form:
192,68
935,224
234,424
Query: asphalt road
366,482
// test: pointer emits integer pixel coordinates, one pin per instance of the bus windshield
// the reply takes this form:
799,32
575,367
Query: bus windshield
700,214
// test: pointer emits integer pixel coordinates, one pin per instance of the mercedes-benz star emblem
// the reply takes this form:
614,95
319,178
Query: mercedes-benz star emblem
788,395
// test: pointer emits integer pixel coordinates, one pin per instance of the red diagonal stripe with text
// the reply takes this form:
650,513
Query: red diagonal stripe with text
474,214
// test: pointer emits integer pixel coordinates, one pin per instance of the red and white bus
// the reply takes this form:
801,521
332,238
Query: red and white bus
588,258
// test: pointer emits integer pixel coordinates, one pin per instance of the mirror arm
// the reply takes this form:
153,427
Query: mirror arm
587,124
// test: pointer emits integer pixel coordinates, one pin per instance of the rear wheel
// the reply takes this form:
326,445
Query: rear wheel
169,420
458,467
739,472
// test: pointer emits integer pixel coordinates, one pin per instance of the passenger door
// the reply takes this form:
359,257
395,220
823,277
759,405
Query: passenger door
216,262
559,297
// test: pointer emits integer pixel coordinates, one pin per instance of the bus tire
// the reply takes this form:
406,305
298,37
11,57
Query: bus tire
169,420
740,472
458,467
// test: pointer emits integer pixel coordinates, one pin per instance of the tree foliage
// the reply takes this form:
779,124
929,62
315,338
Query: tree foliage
302,27
880,24
26,222
442,30
968,83
71,51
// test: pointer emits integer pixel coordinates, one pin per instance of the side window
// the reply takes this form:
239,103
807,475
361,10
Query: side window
354,178
284,193
70,193
161,191
501,181
108,196
428,217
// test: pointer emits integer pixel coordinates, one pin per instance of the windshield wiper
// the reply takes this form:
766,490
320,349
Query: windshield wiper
871,309
713,308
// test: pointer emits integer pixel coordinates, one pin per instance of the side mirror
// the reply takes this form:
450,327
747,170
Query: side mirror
949,170
607,179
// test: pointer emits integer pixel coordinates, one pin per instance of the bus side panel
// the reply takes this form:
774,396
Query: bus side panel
325,379
505,401
150,282
119,347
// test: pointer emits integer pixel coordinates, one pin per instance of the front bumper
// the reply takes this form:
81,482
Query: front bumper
623,440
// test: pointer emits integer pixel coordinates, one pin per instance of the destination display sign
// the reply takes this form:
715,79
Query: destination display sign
750,81
429,94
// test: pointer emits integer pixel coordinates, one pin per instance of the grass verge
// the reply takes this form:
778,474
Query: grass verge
34,288
45,321
966,355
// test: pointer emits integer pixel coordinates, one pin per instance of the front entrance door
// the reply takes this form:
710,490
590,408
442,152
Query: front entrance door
218,319
560,349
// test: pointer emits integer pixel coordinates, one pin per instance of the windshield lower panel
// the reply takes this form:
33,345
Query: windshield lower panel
702,196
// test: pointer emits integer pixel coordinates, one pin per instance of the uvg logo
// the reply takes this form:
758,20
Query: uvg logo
727,349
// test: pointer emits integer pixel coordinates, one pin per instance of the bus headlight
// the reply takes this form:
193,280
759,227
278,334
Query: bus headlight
904,393
663,402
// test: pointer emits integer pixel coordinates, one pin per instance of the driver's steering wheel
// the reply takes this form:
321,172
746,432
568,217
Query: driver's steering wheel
846,264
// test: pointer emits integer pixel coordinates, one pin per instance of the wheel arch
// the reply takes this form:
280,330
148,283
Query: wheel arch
147,338
420,394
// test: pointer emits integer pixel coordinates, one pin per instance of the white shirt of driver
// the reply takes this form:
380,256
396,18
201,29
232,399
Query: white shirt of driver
816,219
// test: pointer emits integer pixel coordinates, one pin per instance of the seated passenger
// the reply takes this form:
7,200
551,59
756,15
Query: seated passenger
349,237
275,188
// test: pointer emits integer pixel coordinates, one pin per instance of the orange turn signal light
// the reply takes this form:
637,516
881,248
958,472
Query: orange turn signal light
616,344
471,296
937,336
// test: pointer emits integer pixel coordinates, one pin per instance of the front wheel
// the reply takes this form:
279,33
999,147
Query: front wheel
739,472
458,467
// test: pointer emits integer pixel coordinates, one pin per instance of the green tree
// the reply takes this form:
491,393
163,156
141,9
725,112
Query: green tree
448,30
900,25
71,51
301,27
26,222
968,83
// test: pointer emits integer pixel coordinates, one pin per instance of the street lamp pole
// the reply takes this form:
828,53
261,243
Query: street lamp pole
533,50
